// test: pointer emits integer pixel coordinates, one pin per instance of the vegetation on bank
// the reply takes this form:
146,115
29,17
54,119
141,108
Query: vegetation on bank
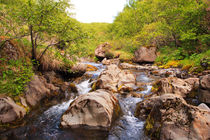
179,29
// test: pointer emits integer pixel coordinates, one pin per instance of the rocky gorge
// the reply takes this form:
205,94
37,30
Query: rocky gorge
113,101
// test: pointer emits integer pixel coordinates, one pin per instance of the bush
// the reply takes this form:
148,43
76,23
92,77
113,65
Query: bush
15,74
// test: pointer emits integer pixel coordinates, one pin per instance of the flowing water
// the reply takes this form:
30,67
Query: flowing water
46,125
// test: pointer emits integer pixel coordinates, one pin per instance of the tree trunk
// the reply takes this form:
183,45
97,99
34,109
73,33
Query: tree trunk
33,50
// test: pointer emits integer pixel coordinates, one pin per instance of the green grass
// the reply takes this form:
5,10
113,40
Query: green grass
191,62
14,76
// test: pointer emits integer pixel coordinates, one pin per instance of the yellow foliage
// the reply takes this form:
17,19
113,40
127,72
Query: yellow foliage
91,68
186,67
171,64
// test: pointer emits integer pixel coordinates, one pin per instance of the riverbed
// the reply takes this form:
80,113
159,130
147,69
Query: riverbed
46,125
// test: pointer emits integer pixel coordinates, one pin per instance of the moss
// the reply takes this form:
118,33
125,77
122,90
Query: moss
186,67
96,85
93,86
109,54
149,125
73,87
156,87
120,87
151,128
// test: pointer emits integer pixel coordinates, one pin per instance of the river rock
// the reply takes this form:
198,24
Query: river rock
10,111
100,51
204,106
106,61
95,110
204,92
204,96
128,66
115,79
170,117
79,69
176,86
171,72
205,82
145,54
38,89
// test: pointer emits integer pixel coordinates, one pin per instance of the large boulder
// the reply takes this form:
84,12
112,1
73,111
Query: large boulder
115,79
102,49
145,55
170,117
95,110
38,89
176,86
78,69
10,111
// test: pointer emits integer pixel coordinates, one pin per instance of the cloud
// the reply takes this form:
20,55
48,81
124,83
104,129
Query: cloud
97,10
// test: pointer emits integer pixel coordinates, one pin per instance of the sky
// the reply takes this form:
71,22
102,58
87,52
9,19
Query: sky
88,11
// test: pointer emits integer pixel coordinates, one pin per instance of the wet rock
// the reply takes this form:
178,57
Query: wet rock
194,82
23,101
138,67
64,87
176,86
171,72
101,50
95,110
143,108
204,96
69,87
73,87
50,76
205,82
79,69
128,66
136,95
10,111
115,79
145,54
205,72
204,92
204,107
170,117
38,89
106,61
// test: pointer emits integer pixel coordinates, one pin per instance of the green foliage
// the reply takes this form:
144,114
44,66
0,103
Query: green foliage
47,22
15,74
161,22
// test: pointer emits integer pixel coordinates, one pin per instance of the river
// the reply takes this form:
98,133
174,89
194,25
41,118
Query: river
46,126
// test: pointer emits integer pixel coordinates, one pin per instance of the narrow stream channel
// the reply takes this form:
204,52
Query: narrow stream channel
127,127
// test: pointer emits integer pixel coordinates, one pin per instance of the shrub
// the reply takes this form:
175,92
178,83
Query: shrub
15,76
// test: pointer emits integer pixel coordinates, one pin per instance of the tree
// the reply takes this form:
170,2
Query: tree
47,22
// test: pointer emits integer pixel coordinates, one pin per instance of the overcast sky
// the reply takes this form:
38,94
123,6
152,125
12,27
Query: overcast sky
97,10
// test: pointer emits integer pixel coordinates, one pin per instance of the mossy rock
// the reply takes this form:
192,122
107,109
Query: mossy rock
73,87
186,67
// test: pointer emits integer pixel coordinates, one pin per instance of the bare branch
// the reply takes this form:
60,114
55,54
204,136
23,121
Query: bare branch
4,41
